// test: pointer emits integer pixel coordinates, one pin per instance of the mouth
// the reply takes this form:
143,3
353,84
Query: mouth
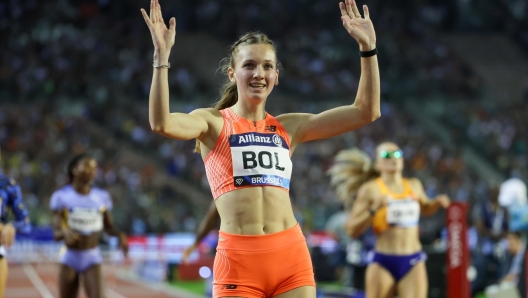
257,86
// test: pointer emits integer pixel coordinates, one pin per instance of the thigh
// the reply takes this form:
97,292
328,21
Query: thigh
379,283
305,292
3,276
414,284
93,282
68,282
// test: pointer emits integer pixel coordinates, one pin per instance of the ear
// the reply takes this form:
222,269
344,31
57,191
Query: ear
277,78
231,75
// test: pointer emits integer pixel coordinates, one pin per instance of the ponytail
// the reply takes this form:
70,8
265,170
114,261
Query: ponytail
351,169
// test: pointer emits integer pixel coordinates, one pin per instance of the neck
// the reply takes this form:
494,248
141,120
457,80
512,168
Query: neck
392,178
80,187
249,110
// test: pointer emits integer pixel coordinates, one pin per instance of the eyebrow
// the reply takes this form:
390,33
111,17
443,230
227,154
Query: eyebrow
251,60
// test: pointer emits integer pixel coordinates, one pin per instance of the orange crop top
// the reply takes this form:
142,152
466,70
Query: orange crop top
402,210
249,154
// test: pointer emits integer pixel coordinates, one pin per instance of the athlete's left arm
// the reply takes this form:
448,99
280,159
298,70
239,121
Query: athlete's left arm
111,230
366,107
22,223
428,207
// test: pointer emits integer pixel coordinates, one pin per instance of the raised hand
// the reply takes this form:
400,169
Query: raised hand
361,29
162,37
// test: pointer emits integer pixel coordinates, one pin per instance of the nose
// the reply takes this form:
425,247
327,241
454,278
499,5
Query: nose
259,72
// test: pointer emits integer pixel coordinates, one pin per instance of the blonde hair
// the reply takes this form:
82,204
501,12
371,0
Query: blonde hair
228,91
351,168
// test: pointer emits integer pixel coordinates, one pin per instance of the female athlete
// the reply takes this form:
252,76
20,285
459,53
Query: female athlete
261,251
10,199
81,213
392,205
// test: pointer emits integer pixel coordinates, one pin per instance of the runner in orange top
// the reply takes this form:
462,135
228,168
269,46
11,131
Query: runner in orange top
262,251
392,205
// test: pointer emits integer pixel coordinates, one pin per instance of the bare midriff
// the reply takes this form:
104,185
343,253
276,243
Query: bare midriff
255,211
399,241
86,241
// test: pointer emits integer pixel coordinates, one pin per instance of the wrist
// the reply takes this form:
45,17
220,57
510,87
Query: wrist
367,46
161,57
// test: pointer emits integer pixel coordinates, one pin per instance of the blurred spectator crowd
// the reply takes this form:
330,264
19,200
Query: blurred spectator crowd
75,76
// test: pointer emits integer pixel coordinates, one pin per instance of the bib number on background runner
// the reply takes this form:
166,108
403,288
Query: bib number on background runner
260,159
404,213
85,220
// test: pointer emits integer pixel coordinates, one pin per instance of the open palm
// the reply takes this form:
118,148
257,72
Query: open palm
361,29
162,37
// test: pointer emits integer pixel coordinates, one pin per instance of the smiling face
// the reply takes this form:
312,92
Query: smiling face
255,71
389,158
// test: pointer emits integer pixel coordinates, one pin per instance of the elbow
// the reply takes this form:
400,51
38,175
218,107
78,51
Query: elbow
375,115
158,128
371,116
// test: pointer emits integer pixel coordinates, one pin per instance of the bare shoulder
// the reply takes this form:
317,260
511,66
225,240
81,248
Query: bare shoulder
292,122
290,118
368,189
414,182
207,113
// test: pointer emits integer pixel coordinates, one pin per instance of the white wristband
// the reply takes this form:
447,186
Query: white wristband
161,66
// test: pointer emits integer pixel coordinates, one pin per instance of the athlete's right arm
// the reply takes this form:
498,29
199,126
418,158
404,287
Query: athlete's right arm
360,217
208,223
179,126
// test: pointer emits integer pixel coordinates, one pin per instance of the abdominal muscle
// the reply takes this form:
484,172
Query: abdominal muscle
255,211
399,241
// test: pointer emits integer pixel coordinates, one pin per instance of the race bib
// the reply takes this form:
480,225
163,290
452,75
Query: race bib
403,213
260,159
85,220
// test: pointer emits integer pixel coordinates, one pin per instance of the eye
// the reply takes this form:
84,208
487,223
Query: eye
248,64
268,66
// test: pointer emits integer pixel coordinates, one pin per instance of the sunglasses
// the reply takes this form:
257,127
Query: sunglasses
391,154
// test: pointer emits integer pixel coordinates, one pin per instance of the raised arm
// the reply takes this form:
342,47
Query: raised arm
428,207
366,106
179,126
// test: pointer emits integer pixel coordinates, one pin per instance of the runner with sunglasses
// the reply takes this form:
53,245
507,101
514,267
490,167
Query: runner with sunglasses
392,205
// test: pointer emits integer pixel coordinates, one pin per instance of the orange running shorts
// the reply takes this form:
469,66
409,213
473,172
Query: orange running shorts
261,266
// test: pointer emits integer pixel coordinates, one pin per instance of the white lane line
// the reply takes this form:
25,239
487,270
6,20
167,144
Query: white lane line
113,294
37,282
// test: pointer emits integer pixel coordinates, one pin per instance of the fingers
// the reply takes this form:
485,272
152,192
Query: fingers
152,11
366,12
160,15
355,10
342,7
172,24
145,16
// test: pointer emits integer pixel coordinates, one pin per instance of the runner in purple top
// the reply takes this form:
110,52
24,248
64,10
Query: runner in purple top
81,213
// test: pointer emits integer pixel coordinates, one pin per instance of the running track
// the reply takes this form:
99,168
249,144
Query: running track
40,280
